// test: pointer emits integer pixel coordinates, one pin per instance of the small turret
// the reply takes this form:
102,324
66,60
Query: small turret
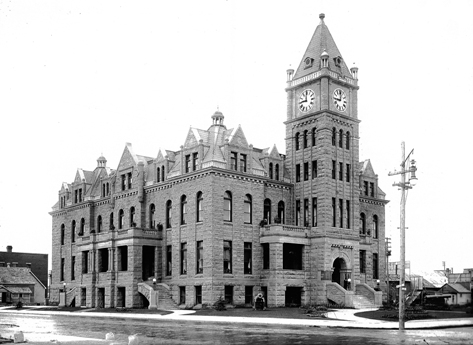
217,118
354,72
324,59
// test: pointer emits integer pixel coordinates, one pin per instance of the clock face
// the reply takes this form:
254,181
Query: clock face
340,99
306,100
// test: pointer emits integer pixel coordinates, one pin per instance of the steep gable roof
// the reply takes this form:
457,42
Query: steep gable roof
237,137
321,41
16,275
367,168
274,153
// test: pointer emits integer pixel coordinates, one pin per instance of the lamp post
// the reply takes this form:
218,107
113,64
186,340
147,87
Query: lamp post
407,167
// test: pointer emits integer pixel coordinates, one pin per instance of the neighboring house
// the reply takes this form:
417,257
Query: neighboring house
221,218
37,262
459,293
20,284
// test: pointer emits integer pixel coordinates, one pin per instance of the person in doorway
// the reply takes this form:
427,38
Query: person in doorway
259,302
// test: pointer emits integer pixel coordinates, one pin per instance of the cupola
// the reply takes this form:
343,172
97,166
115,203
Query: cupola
217,118
101,162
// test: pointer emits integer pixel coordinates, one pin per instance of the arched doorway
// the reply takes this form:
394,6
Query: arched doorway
339,270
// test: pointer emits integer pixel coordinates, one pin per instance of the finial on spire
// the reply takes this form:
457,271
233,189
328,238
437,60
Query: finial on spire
322,16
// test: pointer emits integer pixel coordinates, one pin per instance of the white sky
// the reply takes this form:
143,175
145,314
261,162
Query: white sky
82,78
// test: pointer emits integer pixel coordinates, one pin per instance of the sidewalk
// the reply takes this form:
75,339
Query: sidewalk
343,318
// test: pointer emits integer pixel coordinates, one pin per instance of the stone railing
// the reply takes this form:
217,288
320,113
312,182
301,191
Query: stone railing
339,295
376,297
284,230
150,294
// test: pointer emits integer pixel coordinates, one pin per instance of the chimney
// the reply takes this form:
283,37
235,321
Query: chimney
9,249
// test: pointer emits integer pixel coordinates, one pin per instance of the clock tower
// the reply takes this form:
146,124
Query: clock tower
323,160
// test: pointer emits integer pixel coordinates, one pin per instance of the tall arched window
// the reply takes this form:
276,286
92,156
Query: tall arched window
121,219
82,226
271,170
99,223
276,170
305,139
183,209
340,139
73,231
162,173
248,209
363,223
168,213
158,174
281,215
267,211
297,141
199,209
63,233
152,210
347,142
375,226
313,136
112,227
132,217
227,206
334,136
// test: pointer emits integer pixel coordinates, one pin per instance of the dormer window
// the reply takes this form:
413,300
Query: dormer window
338,61
308,62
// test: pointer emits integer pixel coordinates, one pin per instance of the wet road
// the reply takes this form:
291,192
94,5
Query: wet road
188,332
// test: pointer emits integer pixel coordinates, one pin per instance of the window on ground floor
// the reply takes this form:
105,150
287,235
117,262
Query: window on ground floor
292,256
229,294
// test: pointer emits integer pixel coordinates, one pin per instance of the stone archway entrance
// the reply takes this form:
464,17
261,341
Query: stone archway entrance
341,273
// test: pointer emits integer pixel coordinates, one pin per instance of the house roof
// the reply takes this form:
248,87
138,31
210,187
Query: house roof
16,275
19,289
457,287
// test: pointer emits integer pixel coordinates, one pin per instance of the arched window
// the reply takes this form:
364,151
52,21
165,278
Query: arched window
103,190
297,141
267,211
340,139
313,136
248,209
281,212
227,206
363,223
271,170
276,170
168,214
347,142
73,231
63,233
132,217
334,136
121,219
305,139
108,188
183,209
158,175
162,173
152,210
82,226
199,205
112,227
375,226
99,223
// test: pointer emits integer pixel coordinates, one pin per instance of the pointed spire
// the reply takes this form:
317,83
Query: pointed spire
322,47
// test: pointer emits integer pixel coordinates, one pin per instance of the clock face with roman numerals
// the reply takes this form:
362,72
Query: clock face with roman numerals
306,100
340,99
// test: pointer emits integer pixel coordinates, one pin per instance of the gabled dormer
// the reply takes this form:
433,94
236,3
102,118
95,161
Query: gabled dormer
273,163
64,195
368,182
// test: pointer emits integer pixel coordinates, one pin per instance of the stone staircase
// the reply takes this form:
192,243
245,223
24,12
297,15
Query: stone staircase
363,297
165,300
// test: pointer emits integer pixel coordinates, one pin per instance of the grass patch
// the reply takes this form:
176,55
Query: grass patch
393,315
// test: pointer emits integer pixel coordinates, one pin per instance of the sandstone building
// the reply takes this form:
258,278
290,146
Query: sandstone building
221,218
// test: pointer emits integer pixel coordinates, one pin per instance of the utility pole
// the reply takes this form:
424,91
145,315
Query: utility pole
411,168
388,254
